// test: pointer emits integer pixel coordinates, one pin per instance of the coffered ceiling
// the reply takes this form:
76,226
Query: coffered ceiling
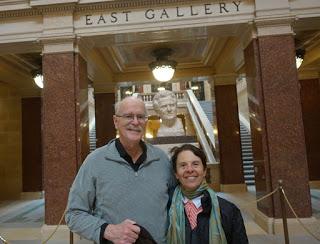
125,57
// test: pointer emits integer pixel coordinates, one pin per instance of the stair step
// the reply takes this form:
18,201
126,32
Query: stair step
249,177
247,158
245,140
247,143
249,162
248,166
248,171
250,182
242,135
246,148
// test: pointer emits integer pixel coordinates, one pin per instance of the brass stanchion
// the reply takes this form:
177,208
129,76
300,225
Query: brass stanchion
3,240
71,237
283,213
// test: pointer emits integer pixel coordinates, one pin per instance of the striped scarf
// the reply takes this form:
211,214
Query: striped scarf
176,231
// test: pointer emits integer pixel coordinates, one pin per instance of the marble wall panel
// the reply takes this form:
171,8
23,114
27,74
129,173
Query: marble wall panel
228,134
310,101
10,143
104,105
31,144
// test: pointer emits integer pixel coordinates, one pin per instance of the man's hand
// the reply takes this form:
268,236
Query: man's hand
124,233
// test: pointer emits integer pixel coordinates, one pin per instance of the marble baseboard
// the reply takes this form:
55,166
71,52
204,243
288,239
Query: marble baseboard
31,195
275,226
314,184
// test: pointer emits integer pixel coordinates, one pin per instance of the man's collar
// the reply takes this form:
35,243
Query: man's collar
122,151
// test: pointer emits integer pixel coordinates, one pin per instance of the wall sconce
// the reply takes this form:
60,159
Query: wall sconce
38,79
163,69
299,57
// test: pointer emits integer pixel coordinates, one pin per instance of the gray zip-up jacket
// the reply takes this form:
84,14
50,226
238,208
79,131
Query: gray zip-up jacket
107,190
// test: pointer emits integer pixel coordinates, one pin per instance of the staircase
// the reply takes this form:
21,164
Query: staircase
92,138
247,156
207,107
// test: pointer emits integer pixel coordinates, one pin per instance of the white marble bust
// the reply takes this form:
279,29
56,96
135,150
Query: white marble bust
165,104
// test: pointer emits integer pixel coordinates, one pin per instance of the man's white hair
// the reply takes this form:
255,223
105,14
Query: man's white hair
117,106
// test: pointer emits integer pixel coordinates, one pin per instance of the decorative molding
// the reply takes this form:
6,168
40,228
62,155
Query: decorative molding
58,44
34,3
306,74
274,25
104,87
225,79
126,4
20,13
248,35
36,9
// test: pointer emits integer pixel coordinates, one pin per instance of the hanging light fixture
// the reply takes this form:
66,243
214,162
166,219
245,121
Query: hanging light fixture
299,57
163,69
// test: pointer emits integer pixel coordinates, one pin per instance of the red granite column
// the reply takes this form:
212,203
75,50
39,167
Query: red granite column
231,170
276,123
310,100
63,127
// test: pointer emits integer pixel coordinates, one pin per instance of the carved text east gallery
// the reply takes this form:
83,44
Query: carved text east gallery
150,14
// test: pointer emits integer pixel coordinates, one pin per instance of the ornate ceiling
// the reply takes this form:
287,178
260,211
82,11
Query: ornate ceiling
125,57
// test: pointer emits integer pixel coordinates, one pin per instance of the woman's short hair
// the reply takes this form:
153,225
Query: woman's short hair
187,147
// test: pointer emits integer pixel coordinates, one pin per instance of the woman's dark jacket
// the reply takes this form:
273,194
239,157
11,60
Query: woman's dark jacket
231,220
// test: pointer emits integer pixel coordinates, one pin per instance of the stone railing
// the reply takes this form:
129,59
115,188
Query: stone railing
148,97
203,127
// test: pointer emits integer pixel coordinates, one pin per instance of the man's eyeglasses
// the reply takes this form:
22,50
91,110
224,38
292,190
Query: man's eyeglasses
130,117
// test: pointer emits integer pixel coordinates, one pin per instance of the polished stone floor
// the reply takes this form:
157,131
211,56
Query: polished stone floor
21,221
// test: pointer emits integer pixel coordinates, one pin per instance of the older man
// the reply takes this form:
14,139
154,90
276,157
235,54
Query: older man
122,186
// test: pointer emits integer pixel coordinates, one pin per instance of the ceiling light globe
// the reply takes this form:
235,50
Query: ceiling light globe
163,73
298,62
38,79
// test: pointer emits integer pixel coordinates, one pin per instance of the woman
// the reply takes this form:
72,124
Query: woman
197,214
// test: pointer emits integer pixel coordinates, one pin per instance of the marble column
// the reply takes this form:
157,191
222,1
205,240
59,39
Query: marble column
310,100
276,123
64,127
231,170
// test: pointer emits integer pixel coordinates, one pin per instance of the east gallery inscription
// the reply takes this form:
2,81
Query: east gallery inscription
163,14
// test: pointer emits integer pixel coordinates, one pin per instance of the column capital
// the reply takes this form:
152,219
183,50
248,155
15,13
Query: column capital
59,44
280,25
225,79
